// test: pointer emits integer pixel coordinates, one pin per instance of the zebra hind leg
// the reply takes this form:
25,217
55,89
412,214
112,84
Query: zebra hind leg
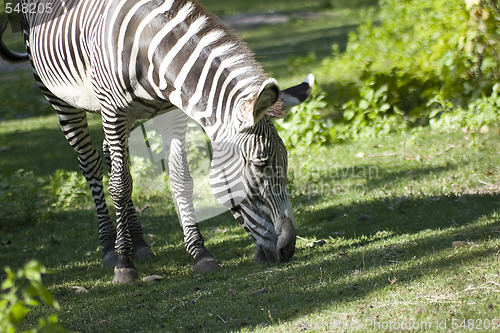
141,250
204,261
173,127
74,126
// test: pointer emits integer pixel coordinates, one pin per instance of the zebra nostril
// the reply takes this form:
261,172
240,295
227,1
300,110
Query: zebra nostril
283,255
286,253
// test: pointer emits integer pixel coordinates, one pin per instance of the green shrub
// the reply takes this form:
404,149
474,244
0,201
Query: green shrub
22,291
476,116
421,56
70,190
304,126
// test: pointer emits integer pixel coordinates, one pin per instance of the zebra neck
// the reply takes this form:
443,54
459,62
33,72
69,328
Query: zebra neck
191,60
222,116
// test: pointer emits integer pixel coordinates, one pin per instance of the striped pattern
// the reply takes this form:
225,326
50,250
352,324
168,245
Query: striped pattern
249,176
137,59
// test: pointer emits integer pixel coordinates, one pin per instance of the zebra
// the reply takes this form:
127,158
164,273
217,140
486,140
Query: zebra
130,60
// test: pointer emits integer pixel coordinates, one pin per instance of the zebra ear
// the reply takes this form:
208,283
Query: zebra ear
267,96
292,97
253,109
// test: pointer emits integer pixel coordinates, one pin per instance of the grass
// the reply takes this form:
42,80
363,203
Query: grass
378,223
402,230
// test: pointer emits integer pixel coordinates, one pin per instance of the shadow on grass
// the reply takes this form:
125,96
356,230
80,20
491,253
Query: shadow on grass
43,150
398,215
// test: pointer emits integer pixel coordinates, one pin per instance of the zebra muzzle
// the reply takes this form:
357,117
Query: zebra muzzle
286,240
284,249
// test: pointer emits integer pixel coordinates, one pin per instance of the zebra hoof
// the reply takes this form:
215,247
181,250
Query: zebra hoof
110,259
125,275
143,253
205,264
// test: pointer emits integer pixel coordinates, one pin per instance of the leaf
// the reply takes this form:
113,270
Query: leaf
49,299
384,107
368,96
309,138
7,283
364,104
17,313
381,92
333,133
349,114
32,291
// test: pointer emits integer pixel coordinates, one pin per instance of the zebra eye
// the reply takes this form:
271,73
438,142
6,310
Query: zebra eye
260,163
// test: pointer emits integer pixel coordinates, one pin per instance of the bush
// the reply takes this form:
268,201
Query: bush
303,126
421,56
70,190
21,291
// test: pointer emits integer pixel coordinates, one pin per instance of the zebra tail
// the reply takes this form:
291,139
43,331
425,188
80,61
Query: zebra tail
6,54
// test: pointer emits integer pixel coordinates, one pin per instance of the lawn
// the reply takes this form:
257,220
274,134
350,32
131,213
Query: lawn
396,233
401,230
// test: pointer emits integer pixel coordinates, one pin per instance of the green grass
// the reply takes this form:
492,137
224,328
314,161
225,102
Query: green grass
389,213
378,221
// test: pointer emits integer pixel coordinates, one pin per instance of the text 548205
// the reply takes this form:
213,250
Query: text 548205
29,7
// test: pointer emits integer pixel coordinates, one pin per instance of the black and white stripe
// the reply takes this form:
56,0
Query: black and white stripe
136,59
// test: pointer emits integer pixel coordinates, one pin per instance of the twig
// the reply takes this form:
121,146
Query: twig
140,210
482,286
492,282
444,151
440,299
269,270
385,154
413,157
485,183
225,322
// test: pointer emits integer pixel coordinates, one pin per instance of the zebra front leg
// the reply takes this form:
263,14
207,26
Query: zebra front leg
120,189
141,250
173,127
74,126
182,188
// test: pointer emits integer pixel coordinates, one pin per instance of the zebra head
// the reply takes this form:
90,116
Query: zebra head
248,174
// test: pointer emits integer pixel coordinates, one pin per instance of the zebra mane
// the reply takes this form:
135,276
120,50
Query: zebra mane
230,36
